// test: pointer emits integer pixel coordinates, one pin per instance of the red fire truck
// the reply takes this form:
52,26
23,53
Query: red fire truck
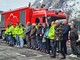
28,14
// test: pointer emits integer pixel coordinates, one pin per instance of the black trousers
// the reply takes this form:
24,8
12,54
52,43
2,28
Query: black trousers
73,47
63,48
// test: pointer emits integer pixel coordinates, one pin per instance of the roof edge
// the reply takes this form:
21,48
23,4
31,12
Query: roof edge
22,8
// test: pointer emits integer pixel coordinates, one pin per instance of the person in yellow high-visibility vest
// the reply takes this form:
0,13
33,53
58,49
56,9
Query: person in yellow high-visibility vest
51,36
10,30
14,35
16,31
7,34
21,36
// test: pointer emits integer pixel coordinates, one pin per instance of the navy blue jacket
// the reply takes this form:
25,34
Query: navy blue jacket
66,29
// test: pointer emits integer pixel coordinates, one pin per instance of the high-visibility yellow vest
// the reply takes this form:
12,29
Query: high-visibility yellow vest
16,30
52,32
21,33
6,31
10,29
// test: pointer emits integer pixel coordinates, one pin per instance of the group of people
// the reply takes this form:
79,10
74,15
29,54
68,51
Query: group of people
14,35
46,37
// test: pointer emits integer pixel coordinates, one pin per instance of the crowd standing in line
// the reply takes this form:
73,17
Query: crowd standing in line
46,37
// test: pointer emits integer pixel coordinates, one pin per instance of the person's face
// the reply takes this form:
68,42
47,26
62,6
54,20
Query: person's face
52,23
17,24
21,26
28,23
39,25
57,23
65,22
71,26
33,26
44,25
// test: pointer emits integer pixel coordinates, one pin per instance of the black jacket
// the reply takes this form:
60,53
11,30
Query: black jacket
73,34
33,33
28,30
59,32
66,29
39,31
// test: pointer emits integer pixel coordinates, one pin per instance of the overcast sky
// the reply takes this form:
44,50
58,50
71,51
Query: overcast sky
6,5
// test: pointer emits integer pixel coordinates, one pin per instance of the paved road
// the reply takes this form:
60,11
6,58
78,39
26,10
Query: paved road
13,53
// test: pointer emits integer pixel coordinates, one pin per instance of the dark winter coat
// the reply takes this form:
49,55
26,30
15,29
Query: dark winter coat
28,30
66,29
39,31
33,33
73,34
59,32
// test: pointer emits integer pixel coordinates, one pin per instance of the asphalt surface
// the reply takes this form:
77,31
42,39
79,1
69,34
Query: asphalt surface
14,53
